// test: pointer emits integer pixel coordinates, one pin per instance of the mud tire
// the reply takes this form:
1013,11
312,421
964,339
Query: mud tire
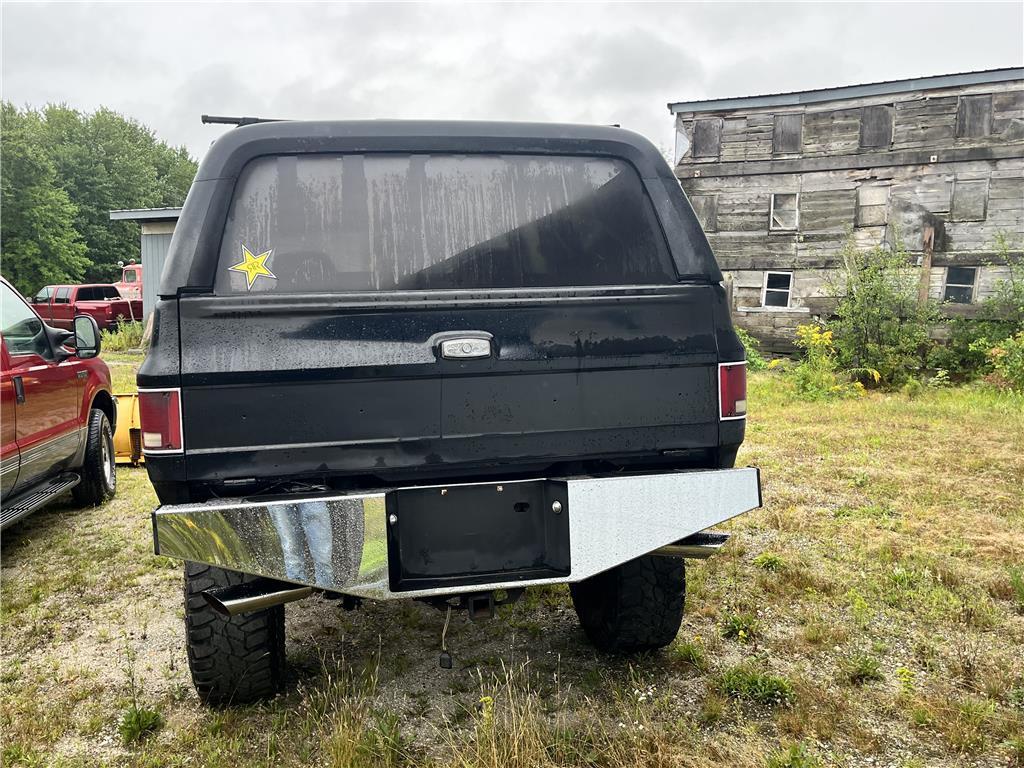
236,660
634,607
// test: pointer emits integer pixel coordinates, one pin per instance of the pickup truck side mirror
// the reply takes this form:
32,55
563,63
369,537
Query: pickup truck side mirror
87,337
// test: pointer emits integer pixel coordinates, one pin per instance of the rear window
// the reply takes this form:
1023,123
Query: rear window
427,222
97,293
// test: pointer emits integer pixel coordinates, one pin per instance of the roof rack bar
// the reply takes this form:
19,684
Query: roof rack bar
222,120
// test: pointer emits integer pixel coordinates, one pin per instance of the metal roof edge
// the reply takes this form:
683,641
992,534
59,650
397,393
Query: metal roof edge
145,214
797,98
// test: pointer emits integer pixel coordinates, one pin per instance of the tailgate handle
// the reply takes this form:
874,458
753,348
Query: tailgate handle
465,348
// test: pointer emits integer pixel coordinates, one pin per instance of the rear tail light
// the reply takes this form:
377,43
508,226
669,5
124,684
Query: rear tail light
732,390
160,414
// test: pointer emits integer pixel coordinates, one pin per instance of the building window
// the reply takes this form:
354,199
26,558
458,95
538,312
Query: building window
706,209
960,284
876,127
872,205
707,137
776,289
785,212
974,116
786,133
970,200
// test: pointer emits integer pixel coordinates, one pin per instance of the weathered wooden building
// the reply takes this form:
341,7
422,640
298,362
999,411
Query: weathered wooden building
780,182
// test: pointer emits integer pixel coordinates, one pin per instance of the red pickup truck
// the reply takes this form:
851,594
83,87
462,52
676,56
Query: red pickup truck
57,413
59,305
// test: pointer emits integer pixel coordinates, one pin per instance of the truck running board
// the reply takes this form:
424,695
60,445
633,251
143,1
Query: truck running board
699,546
33,498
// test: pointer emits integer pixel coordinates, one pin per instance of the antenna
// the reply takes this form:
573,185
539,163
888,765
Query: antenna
222,120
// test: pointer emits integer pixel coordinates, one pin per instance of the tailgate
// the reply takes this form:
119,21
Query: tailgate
279,385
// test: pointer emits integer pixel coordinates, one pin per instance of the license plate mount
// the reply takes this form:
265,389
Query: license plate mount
467,535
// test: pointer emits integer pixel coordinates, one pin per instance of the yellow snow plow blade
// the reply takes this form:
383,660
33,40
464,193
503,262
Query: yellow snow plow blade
128,435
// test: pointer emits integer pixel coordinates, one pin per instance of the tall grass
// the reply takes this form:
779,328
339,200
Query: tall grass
124,337
516,725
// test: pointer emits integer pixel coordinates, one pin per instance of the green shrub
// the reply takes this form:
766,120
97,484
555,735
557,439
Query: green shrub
126,336
965,355
962,355
138,721
1015,746
749,684
1008,362
689,653
740,626
913,388
880,325
817,375
797,756
1006,304
769,561
1017,587
860,668
968,727
755,360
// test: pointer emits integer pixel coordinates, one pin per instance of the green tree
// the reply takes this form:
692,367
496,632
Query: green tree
38,240
106,161
880,325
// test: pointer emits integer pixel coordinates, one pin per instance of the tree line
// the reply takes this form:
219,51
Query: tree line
63,171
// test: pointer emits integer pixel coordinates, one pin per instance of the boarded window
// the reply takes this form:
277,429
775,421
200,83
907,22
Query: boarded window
960,284
876,127
974,116
970,200
827,209
707,137
785,212
786,133
872,205
777,289
706,209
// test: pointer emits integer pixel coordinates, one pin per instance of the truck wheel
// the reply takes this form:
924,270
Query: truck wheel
234,660
99,477
637,606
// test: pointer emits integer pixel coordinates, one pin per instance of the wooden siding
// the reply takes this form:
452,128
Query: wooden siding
874,169
920,120
873,204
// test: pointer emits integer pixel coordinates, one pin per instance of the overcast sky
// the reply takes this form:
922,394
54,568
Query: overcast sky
165,64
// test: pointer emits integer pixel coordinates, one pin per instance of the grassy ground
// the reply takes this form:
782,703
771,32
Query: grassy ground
872,613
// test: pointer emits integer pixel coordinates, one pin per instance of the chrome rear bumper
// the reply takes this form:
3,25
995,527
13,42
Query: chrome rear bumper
341,543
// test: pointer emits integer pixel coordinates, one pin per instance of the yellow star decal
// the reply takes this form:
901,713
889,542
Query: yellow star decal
253,266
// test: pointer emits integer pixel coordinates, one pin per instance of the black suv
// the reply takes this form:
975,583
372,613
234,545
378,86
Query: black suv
443,361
